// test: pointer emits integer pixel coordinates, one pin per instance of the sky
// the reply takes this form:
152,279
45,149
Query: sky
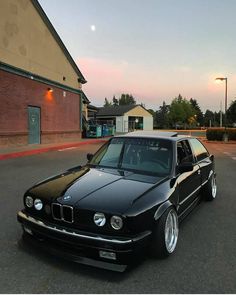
153,49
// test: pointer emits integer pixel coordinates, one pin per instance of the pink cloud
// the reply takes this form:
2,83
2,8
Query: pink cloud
103,69
105,78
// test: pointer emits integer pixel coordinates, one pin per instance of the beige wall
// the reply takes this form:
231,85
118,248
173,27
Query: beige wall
26,43
85,110
138,112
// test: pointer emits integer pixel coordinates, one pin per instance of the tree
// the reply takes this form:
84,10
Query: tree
107,103
181,112
231,113
115,101
217,118
161,119
127,99
198,112
209,118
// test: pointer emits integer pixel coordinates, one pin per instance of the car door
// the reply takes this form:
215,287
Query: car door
202,158
189,183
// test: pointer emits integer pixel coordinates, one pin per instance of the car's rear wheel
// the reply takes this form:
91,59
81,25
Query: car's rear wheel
165,235
210,189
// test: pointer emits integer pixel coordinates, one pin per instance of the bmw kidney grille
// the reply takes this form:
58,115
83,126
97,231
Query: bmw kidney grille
62,212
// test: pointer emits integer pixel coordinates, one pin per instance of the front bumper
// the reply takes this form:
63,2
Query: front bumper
82,247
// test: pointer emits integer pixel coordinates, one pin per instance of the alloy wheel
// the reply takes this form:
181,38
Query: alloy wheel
171,231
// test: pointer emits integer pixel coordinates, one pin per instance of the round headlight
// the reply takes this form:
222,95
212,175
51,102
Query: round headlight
116,222
99,219
29,202
38,205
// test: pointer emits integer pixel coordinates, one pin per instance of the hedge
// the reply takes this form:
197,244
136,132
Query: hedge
218,133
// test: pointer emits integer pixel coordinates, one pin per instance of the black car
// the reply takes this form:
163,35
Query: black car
129,197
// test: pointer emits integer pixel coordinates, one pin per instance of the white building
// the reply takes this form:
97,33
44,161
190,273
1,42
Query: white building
126,117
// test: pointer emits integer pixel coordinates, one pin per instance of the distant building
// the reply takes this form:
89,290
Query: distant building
41,97
92,111
126,117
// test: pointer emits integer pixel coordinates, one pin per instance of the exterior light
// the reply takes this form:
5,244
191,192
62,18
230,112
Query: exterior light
29,202
116,222
99,219
50,89
38,205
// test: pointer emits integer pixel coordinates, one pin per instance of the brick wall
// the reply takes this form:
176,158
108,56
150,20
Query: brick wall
60,110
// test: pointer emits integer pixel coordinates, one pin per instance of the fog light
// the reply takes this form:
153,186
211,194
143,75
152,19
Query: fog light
107,255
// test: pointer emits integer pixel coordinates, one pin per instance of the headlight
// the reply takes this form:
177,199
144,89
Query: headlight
99,219
38,205
29,202
116,222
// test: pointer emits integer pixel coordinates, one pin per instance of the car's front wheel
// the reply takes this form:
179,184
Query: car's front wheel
165,234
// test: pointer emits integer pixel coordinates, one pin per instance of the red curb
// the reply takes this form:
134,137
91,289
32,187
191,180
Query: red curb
47,149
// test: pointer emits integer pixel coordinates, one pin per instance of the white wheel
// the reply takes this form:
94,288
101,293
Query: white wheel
210,189
165,235
171,231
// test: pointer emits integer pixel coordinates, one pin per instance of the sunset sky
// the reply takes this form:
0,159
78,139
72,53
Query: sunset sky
153,49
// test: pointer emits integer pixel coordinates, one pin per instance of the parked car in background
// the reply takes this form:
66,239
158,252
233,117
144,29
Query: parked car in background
130,196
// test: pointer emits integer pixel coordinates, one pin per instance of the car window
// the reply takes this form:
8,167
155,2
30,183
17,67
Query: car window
110,155
145,155
199,150
184,152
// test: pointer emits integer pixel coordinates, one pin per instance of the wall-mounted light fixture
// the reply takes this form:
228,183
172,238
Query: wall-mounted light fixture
50,89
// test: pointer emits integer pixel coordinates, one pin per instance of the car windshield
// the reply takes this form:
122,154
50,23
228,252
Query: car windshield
143,155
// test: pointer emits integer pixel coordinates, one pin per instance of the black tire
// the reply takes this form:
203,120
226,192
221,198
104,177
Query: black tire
210,189
159,245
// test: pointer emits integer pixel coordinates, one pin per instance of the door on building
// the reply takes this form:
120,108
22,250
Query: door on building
34,125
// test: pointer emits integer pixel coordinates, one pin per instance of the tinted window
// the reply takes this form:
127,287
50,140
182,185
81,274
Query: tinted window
199,149
184,152
146,155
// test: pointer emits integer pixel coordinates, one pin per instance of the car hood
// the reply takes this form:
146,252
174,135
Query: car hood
106,190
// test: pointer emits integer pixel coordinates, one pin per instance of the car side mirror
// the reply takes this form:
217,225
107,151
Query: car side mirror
89,156
185,167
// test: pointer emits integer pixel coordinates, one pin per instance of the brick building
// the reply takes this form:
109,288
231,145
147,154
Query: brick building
41,97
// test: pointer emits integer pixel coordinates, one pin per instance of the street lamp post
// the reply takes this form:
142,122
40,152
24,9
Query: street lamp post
226,95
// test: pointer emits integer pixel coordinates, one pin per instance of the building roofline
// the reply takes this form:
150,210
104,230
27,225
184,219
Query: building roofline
86,100
120,110
49,25
17,71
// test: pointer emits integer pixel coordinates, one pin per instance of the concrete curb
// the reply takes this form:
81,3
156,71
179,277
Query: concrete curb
48,149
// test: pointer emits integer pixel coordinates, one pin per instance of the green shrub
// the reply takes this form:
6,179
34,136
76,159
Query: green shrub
218,133
232,133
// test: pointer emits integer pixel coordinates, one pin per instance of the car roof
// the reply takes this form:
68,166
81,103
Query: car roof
173,136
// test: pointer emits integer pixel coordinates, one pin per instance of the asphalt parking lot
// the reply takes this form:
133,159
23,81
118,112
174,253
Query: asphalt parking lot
205,260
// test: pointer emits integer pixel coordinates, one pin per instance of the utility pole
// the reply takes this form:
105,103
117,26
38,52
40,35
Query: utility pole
221,114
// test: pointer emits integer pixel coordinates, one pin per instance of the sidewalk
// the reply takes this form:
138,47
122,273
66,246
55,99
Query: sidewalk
33,149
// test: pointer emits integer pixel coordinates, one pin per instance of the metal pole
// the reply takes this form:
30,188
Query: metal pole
221,114
226,94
